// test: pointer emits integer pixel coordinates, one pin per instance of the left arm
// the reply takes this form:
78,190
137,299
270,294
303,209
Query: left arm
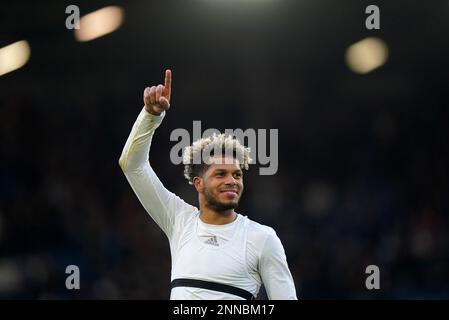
274,270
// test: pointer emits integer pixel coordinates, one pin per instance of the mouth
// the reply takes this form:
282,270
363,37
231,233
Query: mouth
230,192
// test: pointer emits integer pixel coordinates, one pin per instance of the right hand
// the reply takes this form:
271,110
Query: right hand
157,98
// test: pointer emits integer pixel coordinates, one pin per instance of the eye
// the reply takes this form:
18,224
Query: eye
219,174
237,175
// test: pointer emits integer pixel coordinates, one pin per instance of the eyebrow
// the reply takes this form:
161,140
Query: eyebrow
224,170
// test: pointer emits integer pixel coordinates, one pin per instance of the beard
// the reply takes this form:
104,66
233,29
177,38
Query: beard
219,206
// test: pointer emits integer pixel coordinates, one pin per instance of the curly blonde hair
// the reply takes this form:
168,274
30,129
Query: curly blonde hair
197,156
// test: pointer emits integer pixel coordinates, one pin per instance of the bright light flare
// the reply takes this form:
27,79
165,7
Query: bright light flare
99,23
366,55
14,56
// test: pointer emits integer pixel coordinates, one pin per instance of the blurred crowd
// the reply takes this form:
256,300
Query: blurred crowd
339,202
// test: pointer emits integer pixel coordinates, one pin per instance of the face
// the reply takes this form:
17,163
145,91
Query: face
222,183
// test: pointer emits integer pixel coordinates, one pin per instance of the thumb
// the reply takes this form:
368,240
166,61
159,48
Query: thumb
164,102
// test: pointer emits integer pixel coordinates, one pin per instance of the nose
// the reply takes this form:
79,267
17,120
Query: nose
231,180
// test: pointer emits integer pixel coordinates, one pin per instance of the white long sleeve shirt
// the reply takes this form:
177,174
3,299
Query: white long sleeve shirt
243,254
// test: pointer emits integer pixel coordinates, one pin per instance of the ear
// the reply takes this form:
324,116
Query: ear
199,184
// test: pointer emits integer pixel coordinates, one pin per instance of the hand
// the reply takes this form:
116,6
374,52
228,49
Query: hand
157,98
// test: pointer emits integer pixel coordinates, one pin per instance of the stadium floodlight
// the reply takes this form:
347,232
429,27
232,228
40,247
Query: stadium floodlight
14,56
366,55
99,23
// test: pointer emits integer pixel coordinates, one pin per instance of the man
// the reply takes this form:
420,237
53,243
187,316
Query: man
216,253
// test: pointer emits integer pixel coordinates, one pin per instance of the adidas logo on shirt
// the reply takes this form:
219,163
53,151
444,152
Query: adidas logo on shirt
213,241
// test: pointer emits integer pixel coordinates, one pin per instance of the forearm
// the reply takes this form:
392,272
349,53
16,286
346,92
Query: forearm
135,154
134,162
161,204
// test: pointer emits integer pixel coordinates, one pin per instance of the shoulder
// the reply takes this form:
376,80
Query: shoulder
259,234
187,215
264,240
260,229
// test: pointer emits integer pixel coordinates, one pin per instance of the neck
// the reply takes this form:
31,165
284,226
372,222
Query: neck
211,216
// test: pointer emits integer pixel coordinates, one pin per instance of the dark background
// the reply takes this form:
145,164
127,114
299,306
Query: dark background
363,159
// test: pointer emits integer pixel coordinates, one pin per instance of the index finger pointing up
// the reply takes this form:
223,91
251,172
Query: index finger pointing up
167,83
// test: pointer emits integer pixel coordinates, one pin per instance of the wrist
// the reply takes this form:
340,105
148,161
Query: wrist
152,111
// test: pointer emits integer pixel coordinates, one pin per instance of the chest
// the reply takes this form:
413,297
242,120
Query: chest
201,254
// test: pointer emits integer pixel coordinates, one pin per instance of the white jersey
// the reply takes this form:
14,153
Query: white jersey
243,253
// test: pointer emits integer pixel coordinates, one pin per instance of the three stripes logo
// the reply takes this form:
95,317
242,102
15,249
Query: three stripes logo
212,241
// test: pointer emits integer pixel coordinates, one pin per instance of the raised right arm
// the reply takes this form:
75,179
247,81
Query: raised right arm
161,204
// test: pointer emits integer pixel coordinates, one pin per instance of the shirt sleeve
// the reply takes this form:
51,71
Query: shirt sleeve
162,205
274,270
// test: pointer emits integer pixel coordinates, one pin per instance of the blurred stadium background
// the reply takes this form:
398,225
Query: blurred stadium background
363,153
